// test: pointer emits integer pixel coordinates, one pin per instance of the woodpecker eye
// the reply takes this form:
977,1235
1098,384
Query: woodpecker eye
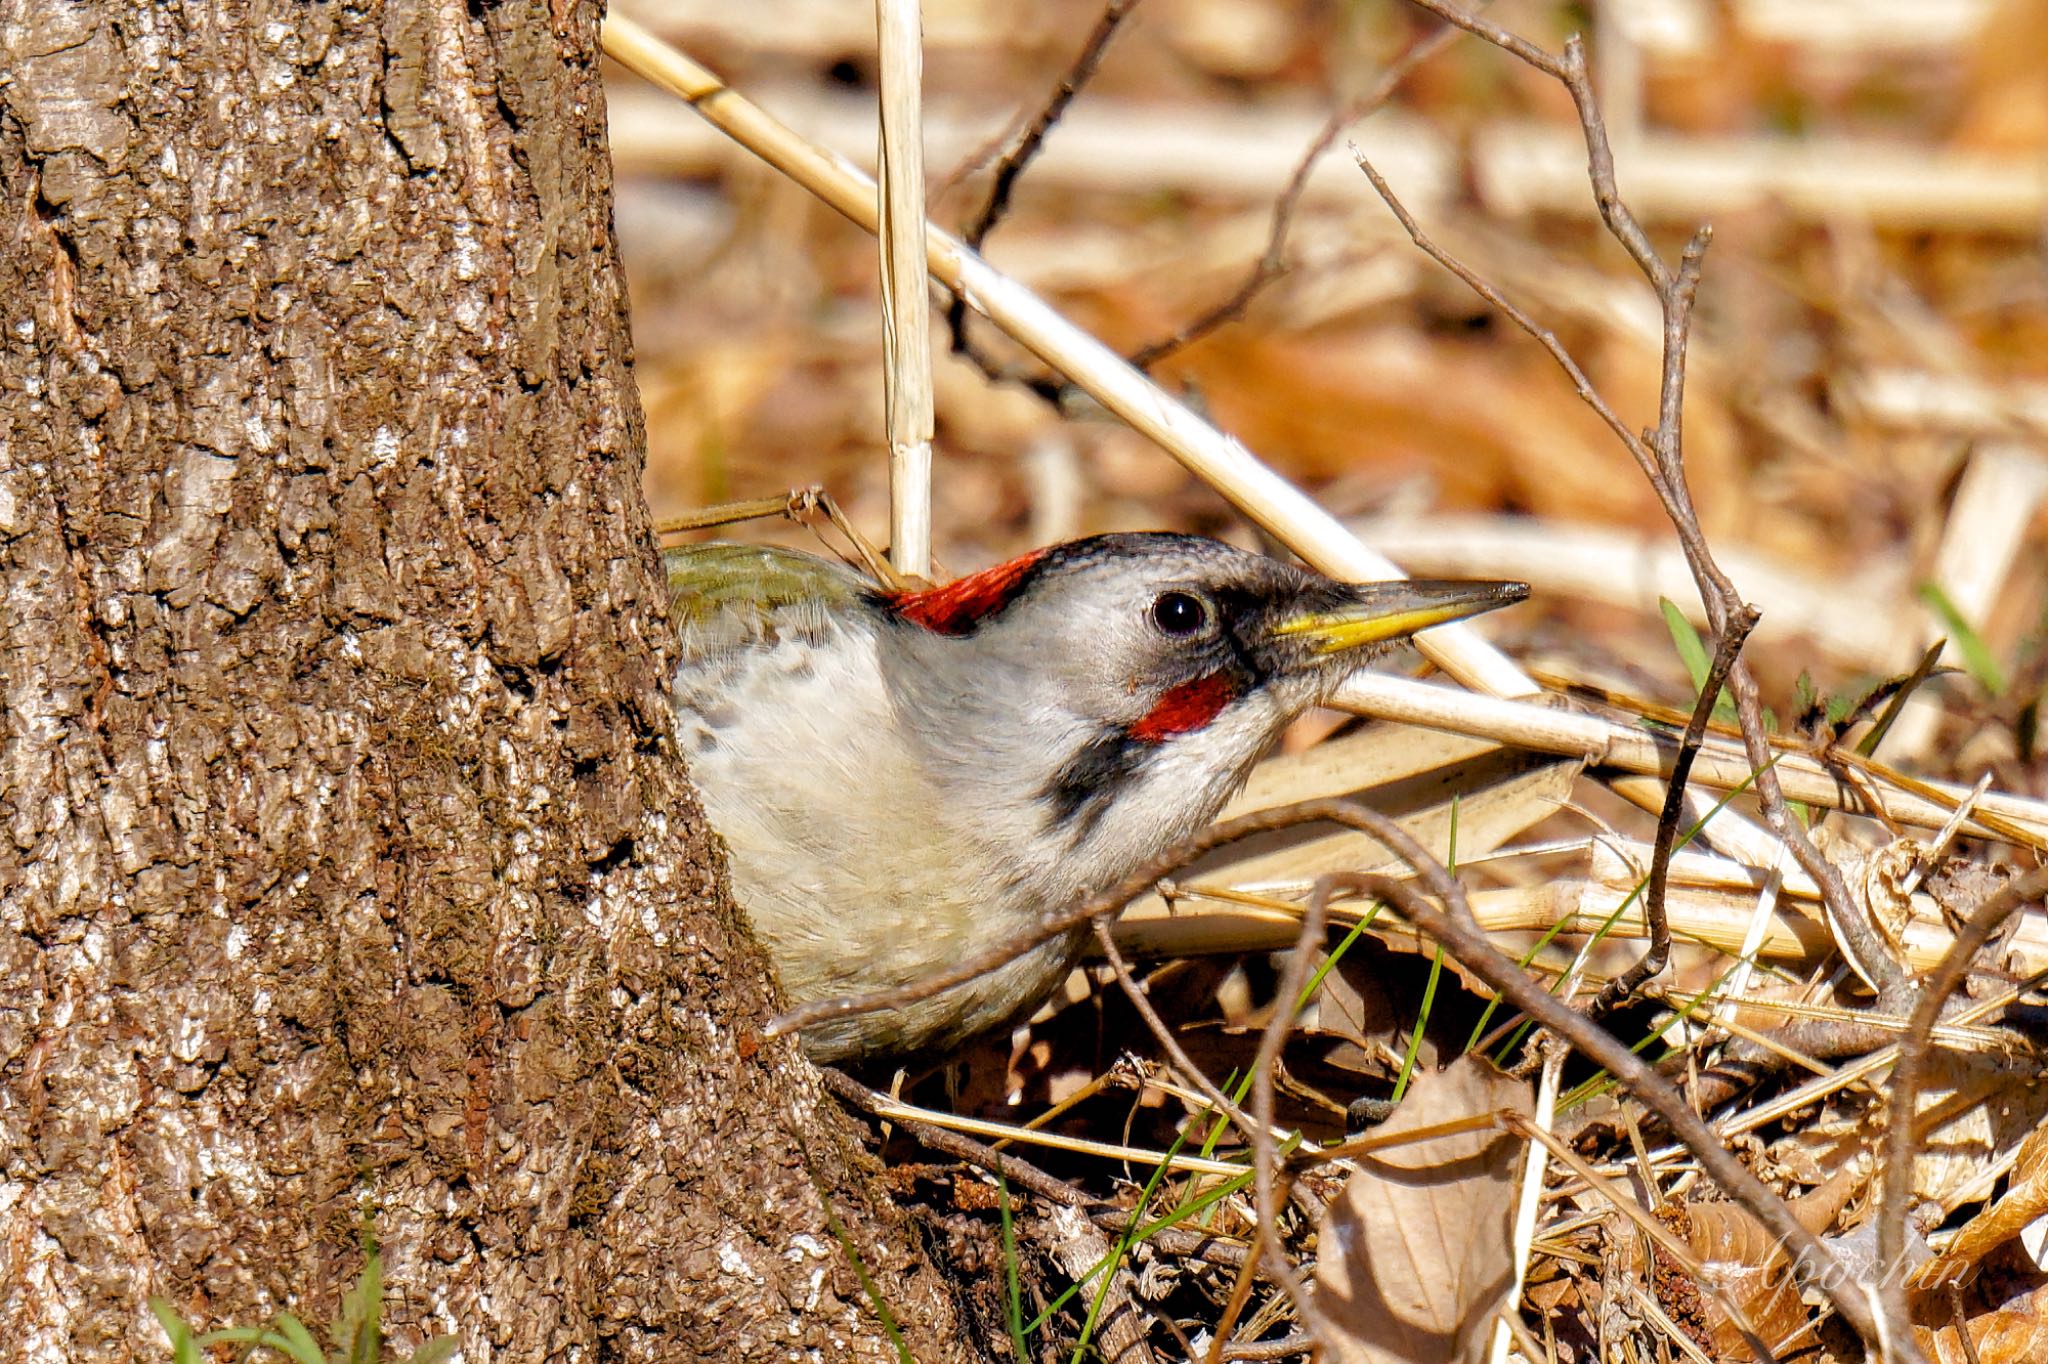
1180,613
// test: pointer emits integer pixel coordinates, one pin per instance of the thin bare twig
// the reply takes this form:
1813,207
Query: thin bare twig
1459,931
798,505
1024,147
1726,649
1543,336
1962,1323
1020,154
1178,1241
1170,1044
1272,262
1266,1246
1914,1050
1660,454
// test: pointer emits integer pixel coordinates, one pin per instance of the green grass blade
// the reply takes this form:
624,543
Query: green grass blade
184,1348
362,1311
1977,657
1692,650
1436,970
876,1302
1125,1242
269,1338
304,1348
1014,1306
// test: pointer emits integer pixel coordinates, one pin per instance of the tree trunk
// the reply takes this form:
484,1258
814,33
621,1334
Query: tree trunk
347,868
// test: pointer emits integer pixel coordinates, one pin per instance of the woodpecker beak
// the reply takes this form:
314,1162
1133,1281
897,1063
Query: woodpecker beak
1379,613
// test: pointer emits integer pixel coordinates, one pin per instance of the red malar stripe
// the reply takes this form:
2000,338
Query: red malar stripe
959,606
1188,707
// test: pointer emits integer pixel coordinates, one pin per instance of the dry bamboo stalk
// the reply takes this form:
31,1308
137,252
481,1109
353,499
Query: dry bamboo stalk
1854,621
1722,920
906,311
1718,919
1919,401
1525,168
1105,146
1224,463
1721,764
1002,1131
2002,487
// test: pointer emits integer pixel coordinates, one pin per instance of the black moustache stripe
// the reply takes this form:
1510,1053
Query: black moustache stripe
1088,783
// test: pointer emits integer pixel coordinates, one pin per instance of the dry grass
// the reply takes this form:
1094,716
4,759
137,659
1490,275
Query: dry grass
1861,419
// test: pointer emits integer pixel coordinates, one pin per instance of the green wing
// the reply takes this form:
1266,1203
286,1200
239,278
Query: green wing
738,592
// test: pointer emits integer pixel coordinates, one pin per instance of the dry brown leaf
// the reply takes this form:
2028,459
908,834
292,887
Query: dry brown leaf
2022,1203
2015,1331
1488,801
1878,879
1416,1255
1748,1265
1972,1111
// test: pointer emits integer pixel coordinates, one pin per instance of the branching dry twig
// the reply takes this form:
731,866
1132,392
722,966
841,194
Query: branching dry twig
1272,262
1175,1053
1914,1050
1019,155
1655,920
1660,453
1460,932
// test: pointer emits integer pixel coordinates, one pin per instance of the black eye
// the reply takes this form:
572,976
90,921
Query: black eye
1179,613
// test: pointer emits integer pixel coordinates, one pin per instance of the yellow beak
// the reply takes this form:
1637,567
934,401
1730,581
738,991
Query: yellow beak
1387,611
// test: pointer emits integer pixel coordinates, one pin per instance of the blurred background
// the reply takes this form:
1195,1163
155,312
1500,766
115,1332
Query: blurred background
1868,390
1866,411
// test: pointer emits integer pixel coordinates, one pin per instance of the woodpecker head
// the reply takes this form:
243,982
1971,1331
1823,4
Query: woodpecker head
1115,691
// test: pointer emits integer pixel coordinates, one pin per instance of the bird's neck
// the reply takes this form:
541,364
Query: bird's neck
1062,805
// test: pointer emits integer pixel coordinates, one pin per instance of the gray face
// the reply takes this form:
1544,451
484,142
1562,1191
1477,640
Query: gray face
1122,666
1129,623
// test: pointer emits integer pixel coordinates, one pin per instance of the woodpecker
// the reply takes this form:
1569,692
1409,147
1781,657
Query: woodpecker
905,780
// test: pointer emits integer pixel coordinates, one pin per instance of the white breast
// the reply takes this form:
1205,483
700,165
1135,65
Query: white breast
834,833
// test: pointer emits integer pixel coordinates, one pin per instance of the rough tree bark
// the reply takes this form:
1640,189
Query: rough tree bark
346,867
